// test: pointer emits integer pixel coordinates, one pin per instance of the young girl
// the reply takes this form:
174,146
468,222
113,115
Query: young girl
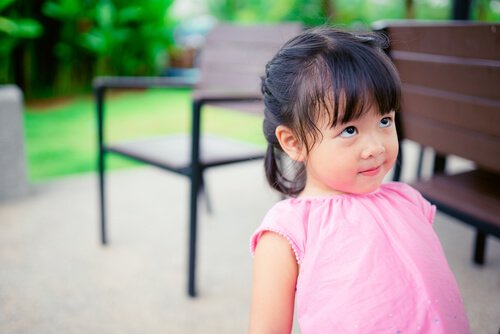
346,252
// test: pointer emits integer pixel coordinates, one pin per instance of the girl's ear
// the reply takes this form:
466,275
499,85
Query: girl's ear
292,146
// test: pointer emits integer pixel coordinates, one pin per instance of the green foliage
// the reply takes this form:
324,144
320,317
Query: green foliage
311,13
130,40
12,30
116,37
433,9
486,10
86,38
74,20
14,27
351,13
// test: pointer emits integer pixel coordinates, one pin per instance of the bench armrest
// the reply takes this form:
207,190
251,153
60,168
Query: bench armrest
142,82
208,96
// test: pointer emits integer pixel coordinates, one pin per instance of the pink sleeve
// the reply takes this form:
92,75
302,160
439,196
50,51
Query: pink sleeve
431,212
283,220
428,209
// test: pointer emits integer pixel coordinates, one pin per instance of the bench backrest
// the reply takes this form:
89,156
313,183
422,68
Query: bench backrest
234,56
451,86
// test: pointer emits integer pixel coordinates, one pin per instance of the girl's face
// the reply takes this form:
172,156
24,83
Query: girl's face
353,157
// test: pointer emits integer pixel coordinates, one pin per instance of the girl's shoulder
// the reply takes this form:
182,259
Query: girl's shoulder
298,209
405,196
299,206
291,218
398,195
397,186
402,191
287,219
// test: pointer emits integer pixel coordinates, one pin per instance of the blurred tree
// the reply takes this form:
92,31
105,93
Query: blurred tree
354,13
482,6
13,29
409,9
84,38
433,9
486,10
73,17
461,9
327,9
106,37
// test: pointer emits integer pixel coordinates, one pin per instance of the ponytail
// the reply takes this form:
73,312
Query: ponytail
275,172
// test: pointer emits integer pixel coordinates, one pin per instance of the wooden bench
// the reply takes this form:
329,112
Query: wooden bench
450,73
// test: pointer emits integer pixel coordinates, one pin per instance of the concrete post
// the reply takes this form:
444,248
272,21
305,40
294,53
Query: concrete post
13,176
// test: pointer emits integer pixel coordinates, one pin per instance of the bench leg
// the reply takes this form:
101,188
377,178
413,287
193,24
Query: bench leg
102,198
204,192
480,247
193,216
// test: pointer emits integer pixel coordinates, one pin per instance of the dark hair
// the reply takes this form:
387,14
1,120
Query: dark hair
314,73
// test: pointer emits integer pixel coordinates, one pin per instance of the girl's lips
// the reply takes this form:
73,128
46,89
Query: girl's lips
371,171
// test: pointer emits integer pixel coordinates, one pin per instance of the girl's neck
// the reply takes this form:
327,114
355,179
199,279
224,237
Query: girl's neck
311,191
315,192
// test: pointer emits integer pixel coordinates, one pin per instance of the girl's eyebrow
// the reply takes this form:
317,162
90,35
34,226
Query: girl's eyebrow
345,124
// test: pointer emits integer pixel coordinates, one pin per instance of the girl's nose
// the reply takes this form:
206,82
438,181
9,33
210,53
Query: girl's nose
373,148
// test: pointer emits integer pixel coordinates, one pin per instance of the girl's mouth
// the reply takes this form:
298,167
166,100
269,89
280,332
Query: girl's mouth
371,171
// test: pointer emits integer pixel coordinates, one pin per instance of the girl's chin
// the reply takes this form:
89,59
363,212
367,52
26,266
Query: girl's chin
373,187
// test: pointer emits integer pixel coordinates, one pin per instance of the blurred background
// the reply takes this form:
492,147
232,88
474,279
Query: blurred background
52,49
55,47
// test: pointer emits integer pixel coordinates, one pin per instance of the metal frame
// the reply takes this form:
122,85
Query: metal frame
195,169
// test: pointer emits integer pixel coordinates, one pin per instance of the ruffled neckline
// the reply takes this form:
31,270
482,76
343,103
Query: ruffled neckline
322,198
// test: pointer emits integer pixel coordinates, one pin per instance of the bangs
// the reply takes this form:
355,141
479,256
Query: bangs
359,83
346,84
342,83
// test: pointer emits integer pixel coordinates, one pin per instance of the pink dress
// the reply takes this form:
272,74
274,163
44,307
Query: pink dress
369,263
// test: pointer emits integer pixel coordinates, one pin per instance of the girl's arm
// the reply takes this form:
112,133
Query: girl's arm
275,273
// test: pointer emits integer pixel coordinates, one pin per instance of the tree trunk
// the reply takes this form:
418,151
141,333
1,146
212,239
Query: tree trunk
482,6
409,9
328,10
461,10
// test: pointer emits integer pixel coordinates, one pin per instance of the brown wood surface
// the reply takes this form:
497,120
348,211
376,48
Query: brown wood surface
454,109
478,79
475,146
450,73
234,57
475,192
450,38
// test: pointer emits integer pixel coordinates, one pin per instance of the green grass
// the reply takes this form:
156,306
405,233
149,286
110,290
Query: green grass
61,140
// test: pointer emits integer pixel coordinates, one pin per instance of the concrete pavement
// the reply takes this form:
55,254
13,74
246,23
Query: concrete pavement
56,278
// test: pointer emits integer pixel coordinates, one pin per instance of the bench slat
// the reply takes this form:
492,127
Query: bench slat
447,38
472,79
256,34
475,193
480,148
453,109
234,56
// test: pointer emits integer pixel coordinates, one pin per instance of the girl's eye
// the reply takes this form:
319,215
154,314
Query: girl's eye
349,132
385,122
